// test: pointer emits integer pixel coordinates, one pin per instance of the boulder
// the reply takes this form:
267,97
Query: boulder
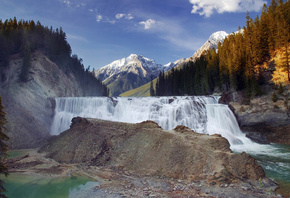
147,149
258,137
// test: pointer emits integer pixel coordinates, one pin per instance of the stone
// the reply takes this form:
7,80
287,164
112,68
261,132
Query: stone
146,149
258,137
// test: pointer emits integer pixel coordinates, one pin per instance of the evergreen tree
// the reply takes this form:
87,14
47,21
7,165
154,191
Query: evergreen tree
3,148
285,60
25,37
152,91
26,63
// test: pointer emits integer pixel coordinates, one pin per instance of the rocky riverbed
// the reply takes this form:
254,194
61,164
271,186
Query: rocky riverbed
142,160
117,182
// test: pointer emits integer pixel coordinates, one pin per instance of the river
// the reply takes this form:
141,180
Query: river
202,114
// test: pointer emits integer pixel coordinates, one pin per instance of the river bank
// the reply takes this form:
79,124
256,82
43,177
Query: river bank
265,118
112,182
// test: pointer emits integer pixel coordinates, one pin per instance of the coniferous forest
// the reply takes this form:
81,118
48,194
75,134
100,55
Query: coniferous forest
25,37
238,63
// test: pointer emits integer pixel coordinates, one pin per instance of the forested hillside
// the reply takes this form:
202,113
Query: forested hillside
36,66
26,37
244,61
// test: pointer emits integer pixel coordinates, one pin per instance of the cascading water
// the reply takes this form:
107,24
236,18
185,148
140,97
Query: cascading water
168,112
203,114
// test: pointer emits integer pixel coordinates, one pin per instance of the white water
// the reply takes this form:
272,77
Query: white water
202,114
168,112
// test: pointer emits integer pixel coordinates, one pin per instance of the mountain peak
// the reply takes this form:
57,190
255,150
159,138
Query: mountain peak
133,56
218,36
212,42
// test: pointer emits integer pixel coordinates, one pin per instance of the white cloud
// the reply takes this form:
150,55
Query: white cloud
150,24
110,21
99,18
75,37
67,3
208,7
125,16
74,3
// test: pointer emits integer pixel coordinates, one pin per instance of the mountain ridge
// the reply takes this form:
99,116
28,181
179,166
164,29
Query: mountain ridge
131,72
212,42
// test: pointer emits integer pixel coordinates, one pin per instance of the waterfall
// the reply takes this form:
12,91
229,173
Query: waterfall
202,114
168,112
221,120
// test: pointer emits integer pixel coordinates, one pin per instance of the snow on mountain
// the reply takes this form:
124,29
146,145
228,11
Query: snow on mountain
135,64
136,70
212,42
171,65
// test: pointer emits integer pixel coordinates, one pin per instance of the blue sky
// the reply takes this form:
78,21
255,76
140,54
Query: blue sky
101,31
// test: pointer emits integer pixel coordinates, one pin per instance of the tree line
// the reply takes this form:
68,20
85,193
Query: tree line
237,64
25,37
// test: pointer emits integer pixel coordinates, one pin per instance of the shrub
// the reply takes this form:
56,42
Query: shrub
274,97
281,89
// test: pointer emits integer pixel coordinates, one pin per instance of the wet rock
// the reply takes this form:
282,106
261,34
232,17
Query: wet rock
258,137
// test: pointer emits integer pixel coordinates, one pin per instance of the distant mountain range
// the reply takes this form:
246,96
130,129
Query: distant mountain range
136,70
131,72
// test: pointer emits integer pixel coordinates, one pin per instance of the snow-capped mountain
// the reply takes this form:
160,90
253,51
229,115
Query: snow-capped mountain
171,65
212,42
131,72
135,70
134,63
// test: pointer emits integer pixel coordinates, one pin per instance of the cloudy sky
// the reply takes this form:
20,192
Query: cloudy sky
101,31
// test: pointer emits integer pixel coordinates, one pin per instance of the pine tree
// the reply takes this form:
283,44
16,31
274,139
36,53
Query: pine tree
285,60
26,63
284,36
3,148
152,91
272,23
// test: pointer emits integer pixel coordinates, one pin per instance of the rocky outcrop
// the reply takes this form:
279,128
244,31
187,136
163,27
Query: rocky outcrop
264,119
147,149
29,106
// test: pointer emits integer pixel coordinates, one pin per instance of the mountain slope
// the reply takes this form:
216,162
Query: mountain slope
212,42
131,72
33,75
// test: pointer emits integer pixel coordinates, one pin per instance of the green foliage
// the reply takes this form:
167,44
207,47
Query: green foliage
25,37
23,76
152,91
261,185
274,97
193,79
270,190
281,89
237,64
3,147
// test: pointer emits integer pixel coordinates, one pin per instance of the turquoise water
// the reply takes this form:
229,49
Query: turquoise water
274,158
20,185
277,167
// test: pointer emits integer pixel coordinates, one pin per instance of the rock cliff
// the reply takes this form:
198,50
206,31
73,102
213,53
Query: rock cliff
29,106
264,118
147,149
